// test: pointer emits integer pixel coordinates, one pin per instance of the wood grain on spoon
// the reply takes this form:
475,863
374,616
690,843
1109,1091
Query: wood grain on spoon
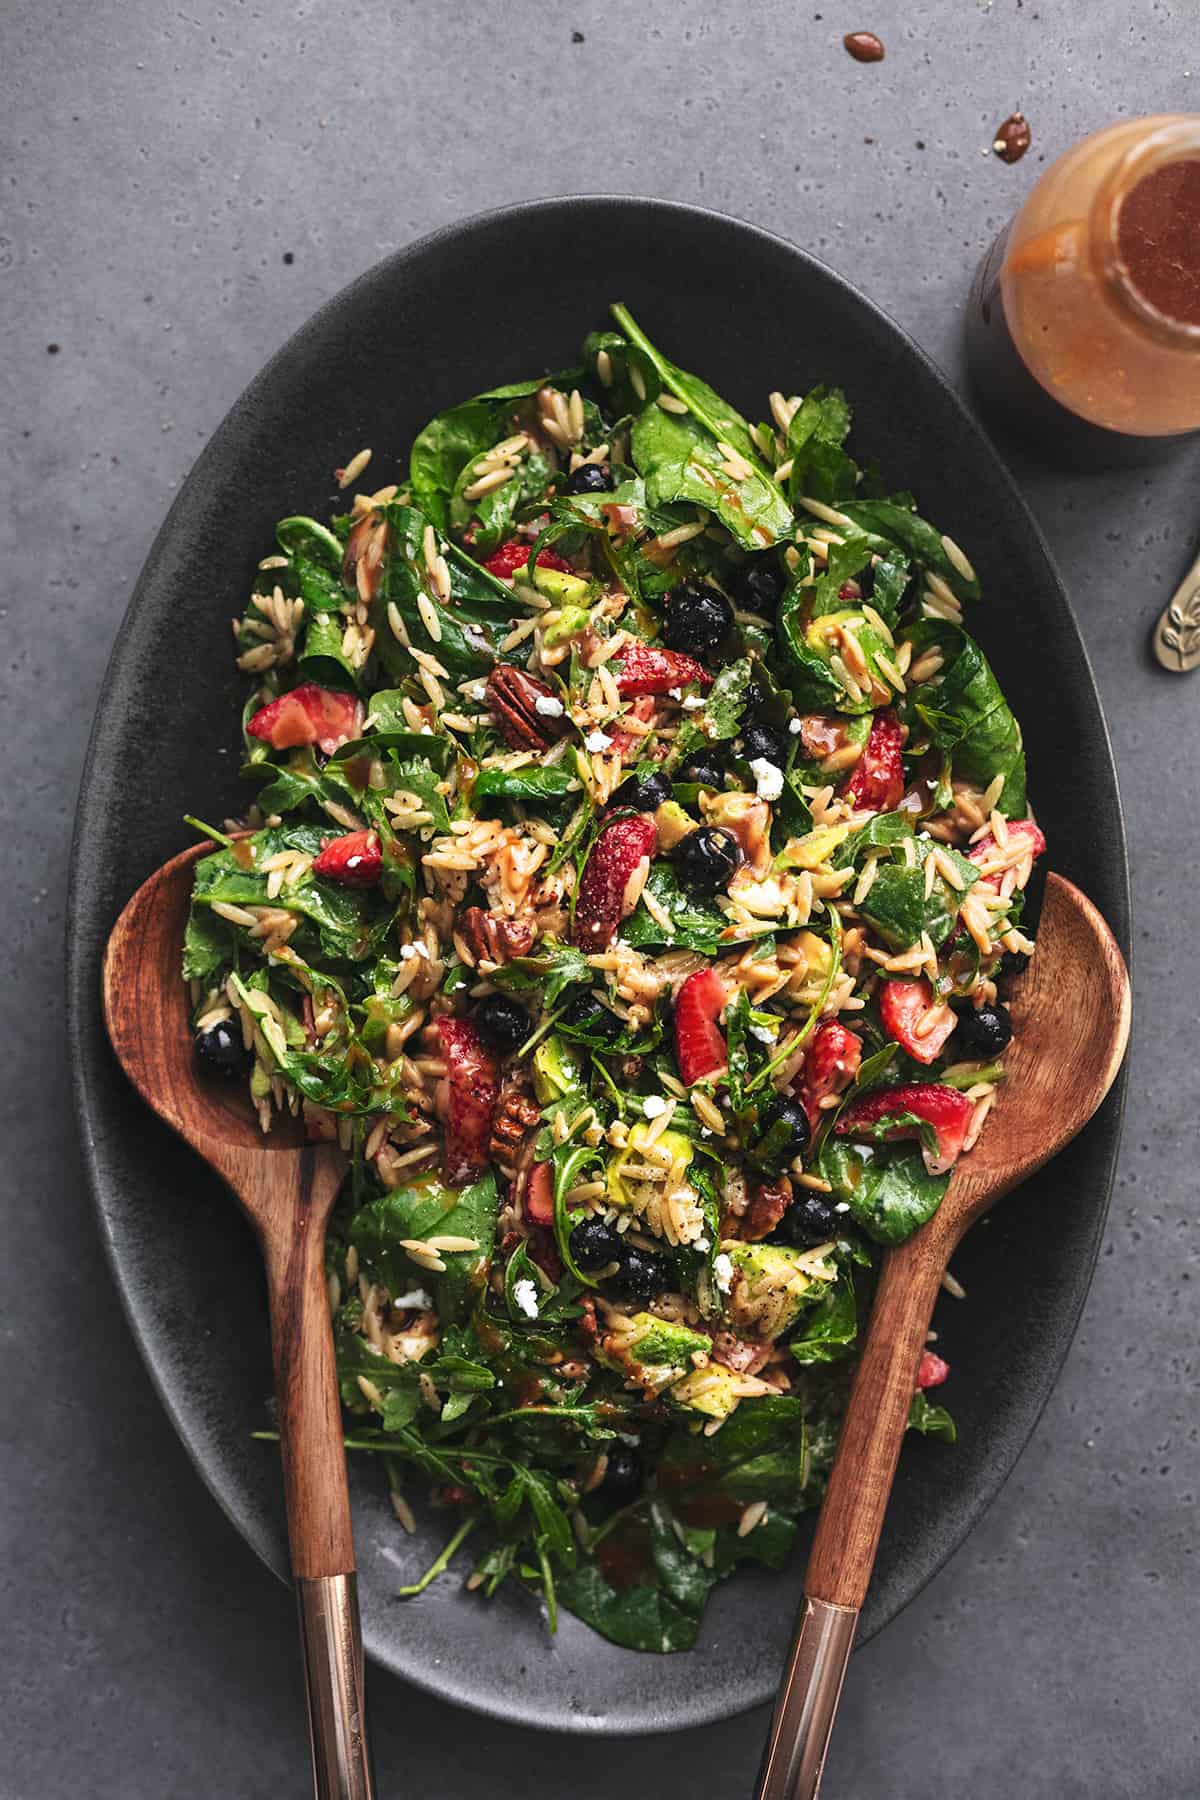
1071,1015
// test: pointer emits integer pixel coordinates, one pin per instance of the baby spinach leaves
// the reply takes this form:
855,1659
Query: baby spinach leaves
887,1187
966,714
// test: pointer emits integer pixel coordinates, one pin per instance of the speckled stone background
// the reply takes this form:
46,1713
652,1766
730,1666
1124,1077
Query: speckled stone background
181,186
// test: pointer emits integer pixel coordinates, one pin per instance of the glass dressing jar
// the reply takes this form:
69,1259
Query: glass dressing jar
1088,305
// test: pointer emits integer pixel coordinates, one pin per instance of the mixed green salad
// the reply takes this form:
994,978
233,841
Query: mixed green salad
637,861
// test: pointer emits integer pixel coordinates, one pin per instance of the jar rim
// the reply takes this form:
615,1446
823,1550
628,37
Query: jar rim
1175,139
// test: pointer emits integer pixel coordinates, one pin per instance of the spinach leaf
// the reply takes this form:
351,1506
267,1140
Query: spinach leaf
897,907
207,944
800,668
892,525
531,783
845,562
343,916
930,1420
638,1617
429,1209
680,461
820,466
453,440
879,833
320,658
477,618
489,518
721,717
966,714
828,1330
716,415
696,923
887,1187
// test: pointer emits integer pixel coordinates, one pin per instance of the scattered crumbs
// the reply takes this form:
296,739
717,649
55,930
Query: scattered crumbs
654,1106
864,46
288,257
868,140
53,349
577,37
920,143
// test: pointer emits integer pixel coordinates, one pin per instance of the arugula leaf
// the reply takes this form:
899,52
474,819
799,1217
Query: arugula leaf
967,715
550,972
930,1420
887,1187
721,716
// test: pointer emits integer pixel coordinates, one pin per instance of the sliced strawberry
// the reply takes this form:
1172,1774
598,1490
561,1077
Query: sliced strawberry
309,715
931,1370
948,1111
1026,833
601,902
514,555
539,1194
645,669
472,1084
355,860
830,1065
902,1007
700,1047
877,778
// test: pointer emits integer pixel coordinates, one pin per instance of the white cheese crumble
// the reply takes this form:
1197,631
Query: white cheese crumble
416,1298
842,1206
675,693
525,1295
768,777
693,702
597,740
763,1033
653,1105
795,727
407,952
723,1270
549,705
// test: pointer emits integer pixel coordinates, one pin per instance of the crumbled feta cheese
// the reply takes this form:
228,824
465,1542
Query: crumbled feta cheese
768,777
795,727
407,952
700,1243
842,1206
525,1295
675,693
549,705
706,1131
426,731
693,702
763,1033
597,740
416,1299
723,1270
653,1105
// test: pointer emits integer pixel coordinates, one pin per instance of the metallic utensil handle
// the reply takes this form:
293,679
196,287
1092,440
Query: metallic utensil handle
331,1639
807,1702
1176,637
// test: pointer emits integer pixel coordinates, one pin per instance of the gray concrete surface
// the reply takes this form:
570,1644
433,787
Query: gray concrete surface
182,184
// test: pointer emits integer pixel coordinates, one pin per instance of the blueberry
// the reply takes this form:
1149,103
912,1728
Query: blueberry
1012,963
703,769
220,1050
698,618
623,1477
591,478
759,586
783,1135
585,1013
810,1219
594,1244
645,789
983,1033
641,1275
706,858
761,739
503,1022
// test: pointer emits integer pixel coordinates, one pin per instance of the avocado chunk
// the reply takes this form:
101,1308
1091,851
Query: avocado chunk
557,1069
630,1193
711,1392
673,823
653,1351
571,621
557,584
773,1284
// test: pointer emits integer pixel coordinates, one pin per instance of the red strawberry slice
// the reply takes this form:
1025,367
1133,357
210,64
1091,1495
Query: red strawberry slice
948,1111
902,1007
931,1370
645,669
1027,834
600,904
700,1048
309,715
877,778
830,1065
514,555
539,1194
471,1086
355,860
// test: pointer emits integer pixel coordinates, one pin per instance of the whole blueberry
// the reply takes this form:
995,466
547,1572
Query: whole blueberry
220,1050
761,739
698,618
585,1013
983,1033
623,1479
1012,963
759,584
591,478
706,858
594,1244
641,1275
783,1135
503,1021
703,769
809,1220
646,789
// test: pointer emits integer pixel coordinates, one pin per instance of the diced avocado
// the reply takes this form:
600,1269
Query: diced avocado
673,824
772,1285
823,637
557,1069
556,584
572,621
654,1351
817,953
814,850
711,1391
625,1192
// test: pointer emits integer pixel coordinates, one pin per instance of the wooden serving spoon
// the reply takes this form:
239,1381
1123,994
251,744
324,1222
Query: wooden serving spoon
1071,1016
286,1187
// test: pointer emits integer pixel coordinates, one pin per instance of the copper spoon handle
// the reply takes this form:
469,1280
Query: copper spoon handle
314,1475
847,1535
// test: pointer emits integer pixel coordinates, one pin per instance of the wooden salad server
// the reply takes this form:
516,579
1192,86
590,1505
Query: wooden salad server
1071,1012
286,1188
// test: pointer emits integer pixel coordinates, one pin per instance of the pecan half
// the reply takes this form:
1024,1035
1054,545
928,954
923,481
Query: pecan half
512,698
491,938
515,1116
769,1200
